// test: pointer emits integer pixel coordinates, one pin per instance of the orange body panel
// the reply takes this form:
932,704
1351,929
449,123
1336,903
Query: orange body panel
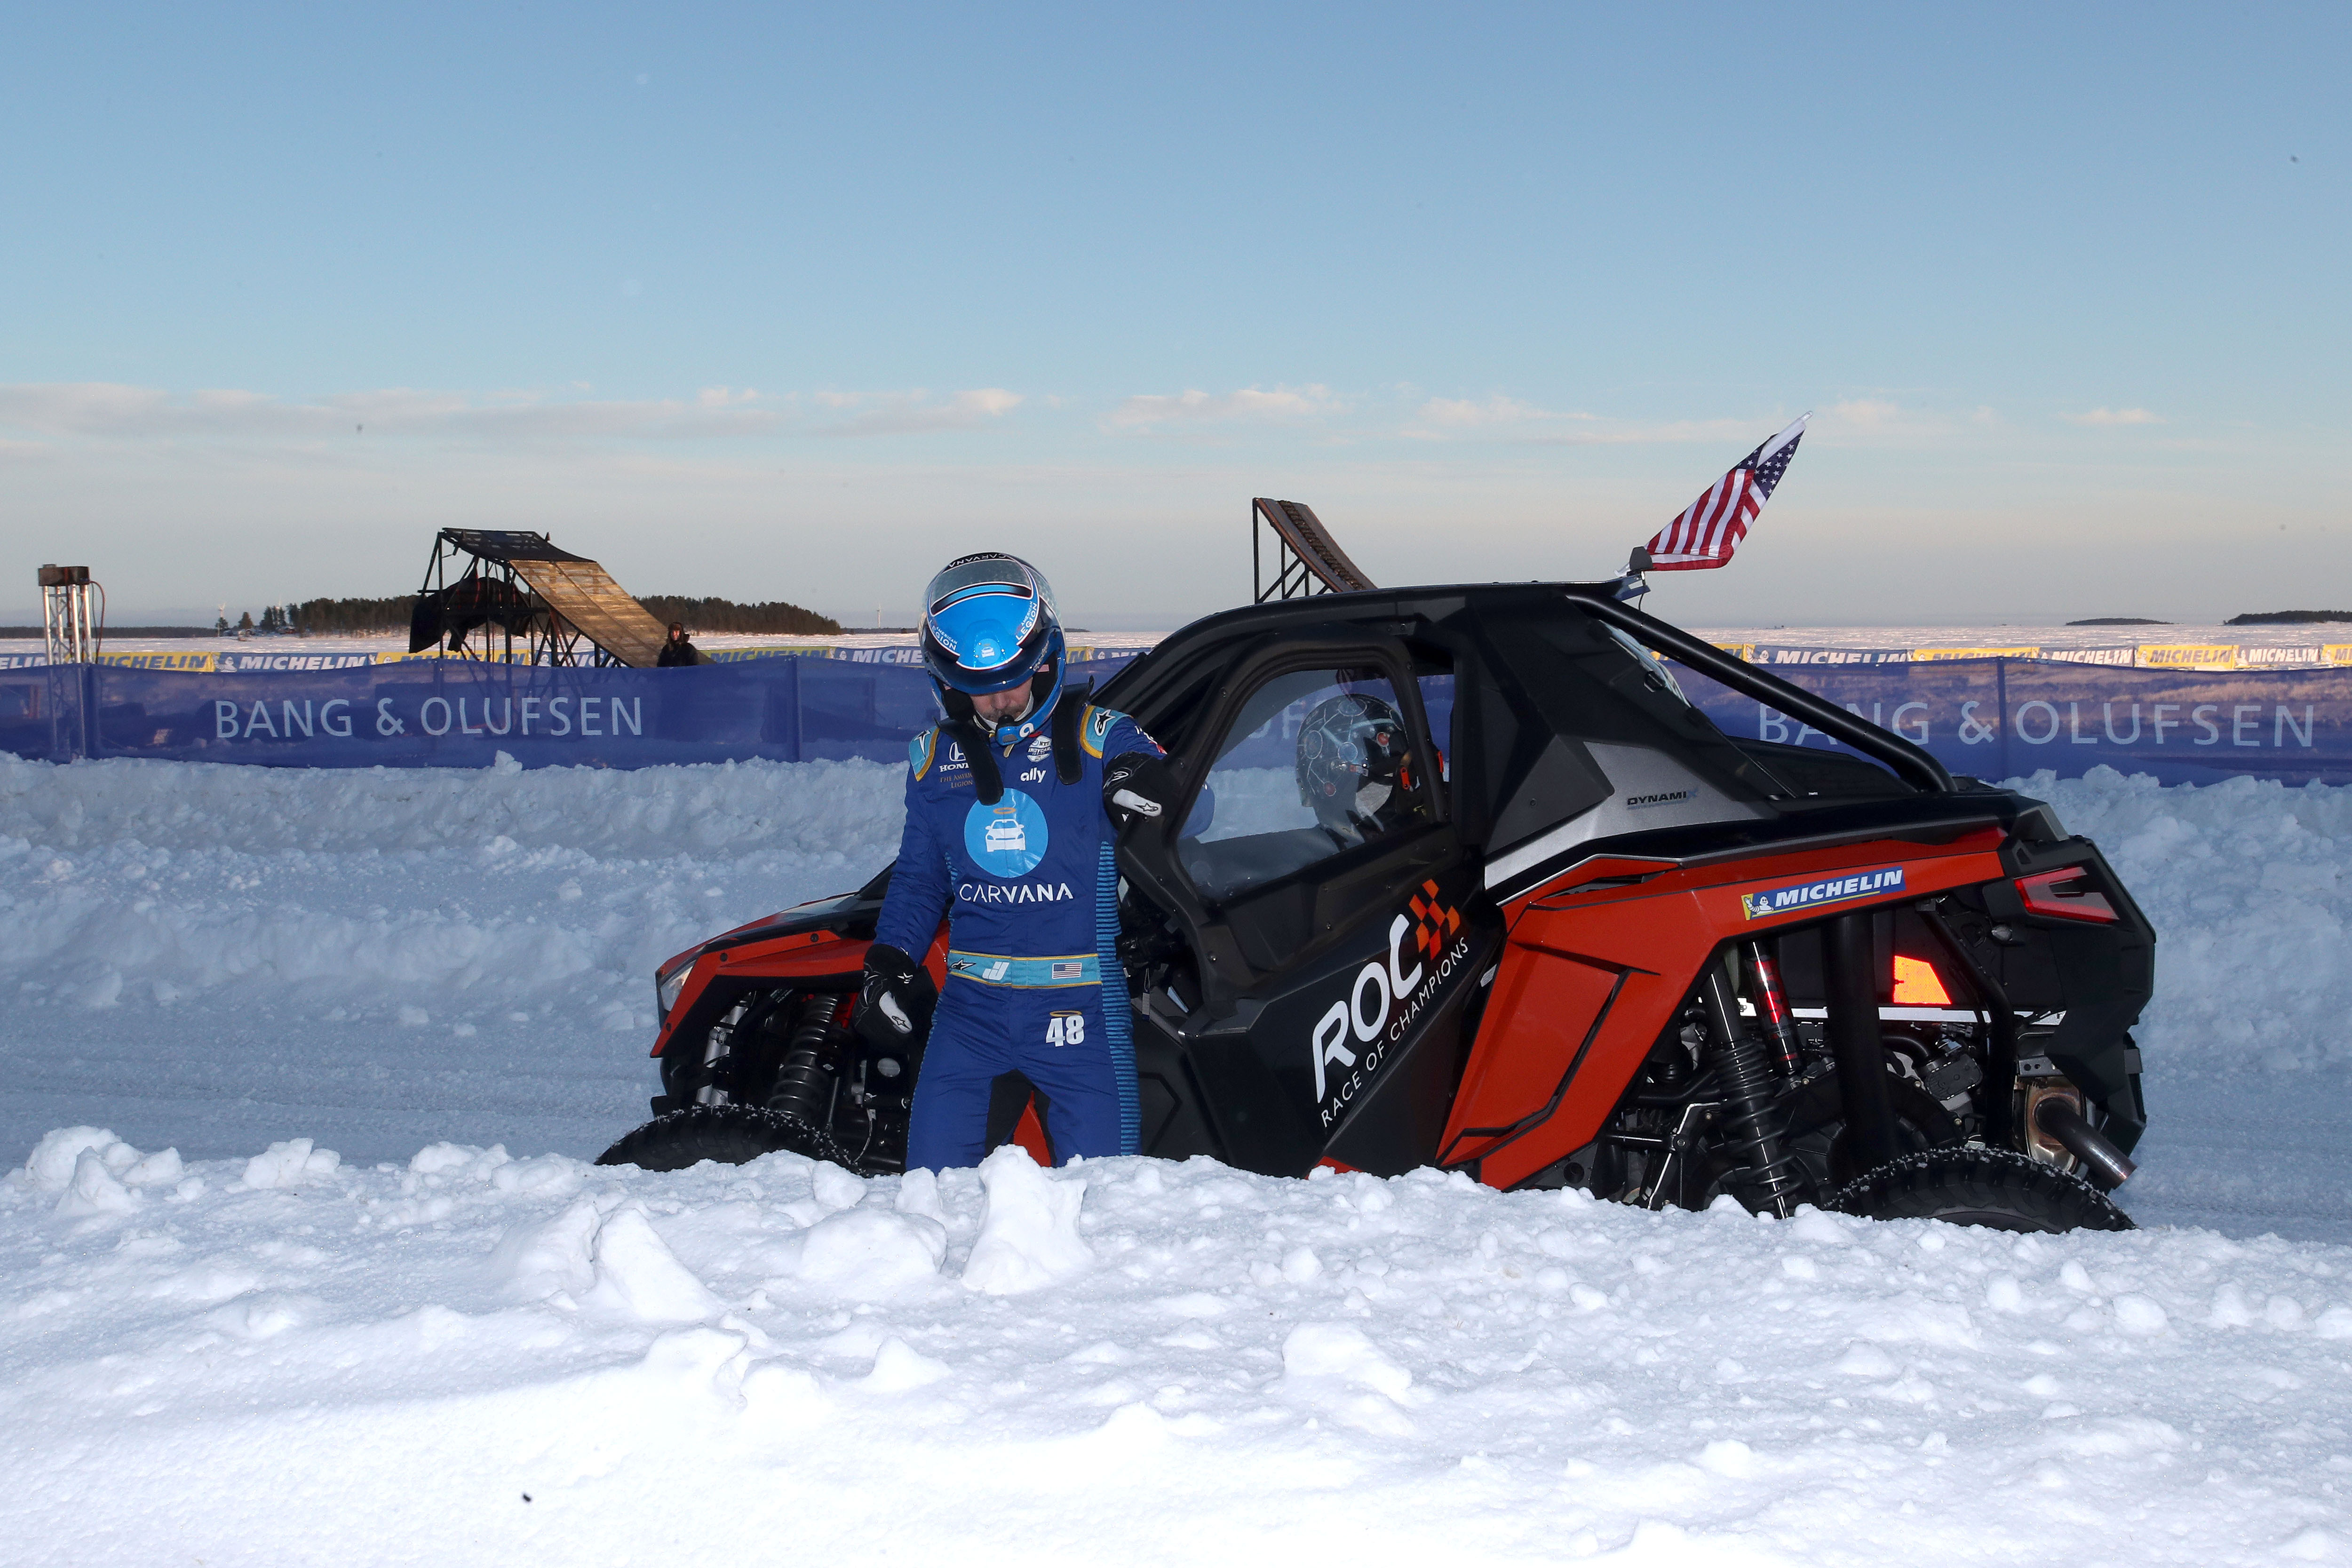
803,955
1031,1135
1573,944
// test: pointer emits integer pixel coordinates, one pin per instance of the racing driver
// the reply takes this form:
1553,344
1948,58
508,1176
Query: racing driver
1012,811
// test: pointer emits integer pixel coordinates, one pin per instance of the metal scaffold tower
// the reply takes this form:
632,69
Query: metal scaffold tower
73,615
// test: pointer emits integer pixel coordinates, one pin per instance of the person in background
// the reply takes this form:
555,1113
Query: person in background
678,650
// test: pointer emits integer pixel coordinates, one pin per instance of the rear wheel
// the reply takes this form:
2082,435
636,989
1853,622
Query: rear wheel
1975,1185
730,1134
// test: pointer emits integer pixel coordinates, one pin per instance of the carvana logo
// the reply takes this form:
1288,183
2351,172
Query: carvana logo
1812,895
1006,839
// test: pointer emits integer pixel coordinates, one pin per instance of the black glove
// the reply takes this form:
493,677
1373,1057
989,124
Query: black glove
894,1005
1137,783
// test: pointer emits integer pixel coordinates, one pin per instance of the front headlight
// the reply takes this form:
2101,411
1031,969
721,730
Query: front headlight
668,987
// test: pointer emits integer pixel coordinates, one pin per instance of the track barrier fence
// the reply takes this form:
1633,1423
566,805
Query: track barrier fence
1994,718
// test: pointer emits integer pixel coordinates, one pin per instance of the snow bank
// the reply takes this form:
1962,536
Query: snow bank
733,809
199,955
473,1358
2246,885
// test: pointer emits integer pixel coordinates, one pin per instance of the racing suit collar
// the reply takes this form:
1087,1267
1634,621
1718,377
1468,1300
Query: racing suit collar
1010,731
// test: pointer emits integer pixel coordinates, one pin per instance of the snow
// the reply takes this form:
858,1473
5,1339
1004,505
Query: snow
382,1365
221,958
276,1290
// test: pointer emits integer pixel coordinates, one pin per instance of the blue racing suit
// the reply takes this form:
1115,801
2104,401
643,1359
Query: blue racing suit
1033,984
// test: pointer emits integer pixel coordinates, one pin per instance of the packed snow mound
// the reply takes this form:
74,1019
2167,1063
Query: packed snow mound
1029,1231
1243,1368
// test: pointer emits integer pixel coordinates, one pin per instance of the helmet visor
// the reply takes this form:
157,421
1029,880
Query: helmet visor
979,575
988,622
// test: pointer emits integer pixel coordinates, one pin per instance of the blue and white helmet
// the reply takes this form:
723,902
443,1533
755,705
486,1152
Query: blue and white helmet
989,625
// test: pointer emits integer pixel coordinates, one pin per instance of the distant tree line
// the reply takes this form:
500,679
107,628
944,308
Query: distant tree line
726,616
2288,617
360,617
332,617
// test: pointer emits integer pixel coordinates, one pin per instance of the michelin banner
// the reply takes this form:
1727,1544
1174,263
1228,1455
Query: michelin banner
2008,718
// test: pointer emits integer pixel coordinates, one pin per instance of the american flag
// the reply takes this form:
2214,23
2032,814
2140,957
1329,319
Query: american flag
1711,527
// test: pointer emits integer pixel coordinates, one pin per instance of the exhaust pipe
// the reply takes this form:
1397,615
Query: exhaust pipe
2107,1166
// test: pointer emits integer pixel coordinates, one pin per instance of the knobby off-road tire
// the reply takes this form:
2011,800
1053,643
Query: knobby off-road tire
1991,1187
730,1134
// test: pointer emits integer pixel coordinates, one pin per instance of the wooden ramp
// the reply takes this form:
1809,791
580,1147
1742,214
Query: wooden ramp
579,594
1308,560
585,595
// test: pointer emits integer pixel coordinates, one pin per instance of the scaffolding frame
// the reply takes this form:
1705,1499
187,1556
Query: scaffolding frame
70,631
506,583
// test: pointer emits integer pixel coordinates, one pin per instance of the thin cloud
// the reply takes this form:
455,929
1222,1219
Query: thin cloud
1461,413
109,411
2109,416
1883,421
914,413
1513,422
1869,413
1593,430
105,411
1147,411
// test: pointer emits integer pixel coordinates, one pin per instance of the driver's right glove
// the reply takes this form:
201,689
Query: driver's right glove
894,1004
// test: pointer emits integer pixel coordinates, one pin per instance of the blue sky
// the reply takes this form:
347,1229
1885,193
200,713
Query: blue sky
796,302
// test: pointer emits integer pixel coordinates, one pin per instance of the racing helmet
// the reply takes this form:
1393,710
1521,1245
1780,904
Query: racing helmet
989,625
1355,765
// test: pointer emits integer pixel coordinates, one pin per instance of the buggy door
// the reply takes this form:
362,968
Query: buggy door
1316,884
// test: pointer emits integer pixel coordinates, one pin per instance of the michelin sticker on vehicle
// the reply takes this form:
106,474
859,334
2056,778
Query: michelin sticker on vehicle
1814,894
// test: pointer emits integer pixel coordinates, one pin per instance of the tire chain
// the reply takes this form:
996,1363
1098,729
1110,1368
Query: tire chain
720,1133
1983,1178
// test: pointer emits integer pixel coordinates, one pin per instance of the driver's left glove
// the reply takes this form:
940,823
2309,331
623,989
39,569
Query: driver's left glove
894,1000
1137,783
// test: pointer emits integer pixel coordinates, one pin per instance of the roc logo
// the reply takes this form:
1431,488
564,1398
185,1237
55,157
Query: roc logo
1436,921
1815,894
1355,1039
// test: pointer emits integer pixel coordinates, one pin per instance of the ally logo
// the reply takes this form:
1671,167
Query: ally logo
1006,839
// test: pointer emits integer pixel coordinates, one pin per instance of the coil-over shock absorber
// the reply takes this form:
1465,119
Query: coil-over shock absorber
806,1077
1754,1130
1772,1013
